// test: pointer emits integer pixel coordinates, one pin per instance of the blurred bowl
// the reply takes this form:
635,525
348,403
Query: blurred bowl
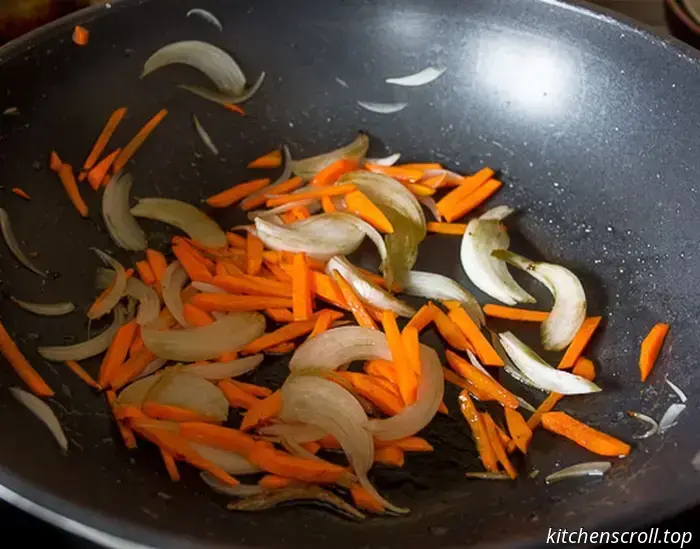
683,19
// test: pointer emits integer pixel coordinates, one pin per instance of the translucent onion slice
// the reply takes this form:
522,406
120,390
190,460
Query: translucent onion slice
542,374
13,244
670,417
475,361
437,286
498,213
228,334
135,393
366,290
232,463
508,365
184,216
86,349
486,272
308,167
420,78
486,475
382,108
386,161
431,206
122,226
451,177
149,302
238,491
569,310
191,393
225,370
152,367
208,16
588,469
651,422
45,309
204,136
225,98
676,389
311,204
172,283
214,62
111,300
42,411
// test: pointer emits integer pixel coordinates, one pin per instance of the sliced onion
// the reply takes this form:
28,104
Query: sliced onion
420,78
42,411
149,302
498,213
475,362
204,136
233,464
135,393
111,300
152,367
486,475
670,417
451,177
342,82
208,16
86,349
237,491
653,425
366,290
299,433
382,108
199,226
45,309
228,334
676,389
569,310
431,206
508,365
437,286
190,392
13,244
225,98
488,273
122,226
588,469
542,374
172,283
214,62
386,161
225,370
308,167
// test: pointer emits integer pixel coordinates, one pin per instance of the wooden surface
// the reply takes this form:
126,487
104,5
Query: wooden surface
649,12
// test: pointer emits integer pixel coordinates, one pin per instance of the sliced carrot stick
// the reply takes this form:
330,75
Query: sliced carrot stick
583,435
237,397
435,182
280,315
126,433
19,192
104,137
424,316
364,500
279,273
449,330
231,303
462,383
145,272
475,199
227,356
131,368
157,262
447,228
479,432
253,285
82,374
354,303
468,186
323,321
288,217
584,368
281,349
273,159
224,438
254,249
97,175
302,297
137,344
196,253
137,141
65,173
116,354
263,411
274,461
410,444
419,190
236,240
409,336
408,384
498,447
81,35
327,204
233,108
170,465
281,335
196,317
338,190
328,290
651,347
364,208
387,402
513,313
519,430
236,193
275,482
300,213
481,380
400,173
259,198
392,456
578,344
55,162
381,368
422,166
250,388
508,444
174,413
194,268
483,348
330,174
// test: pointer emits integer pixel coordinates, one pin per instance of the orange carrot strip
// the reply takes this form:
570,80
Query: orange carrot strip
253,285
468,186
19,192
116,354
338,190
236,240
254,249
126,433
327,204
400,173
498,447
65,173
145,272
280,315
263,411
237,397
132,367
422,166
236,193
137,141
55,162
196,317
435,182
104,137
364,500
224,438
250,388
447,228
377,279
386,401
170,465
328,289
301,212
231,303
364,208
331,173
356,306
578,344
194,268
381,368
233,108
275,482
462,383
505,439
259,198
323,322
584,368
392,456
425,315
288,217
651,347
274,461
449,330
174,413
196,252
519,430
513,313
281,349
157,262
483,348
419,190
137,344
81,35
272,159
281,335
409,336
465,206
410,444
279,273
583,435
302,298
479,432
97,175
82,374
481,380
408,384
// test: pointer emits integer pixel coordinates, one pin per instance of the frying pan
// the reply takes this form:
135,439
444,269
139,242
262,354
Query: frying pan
593,125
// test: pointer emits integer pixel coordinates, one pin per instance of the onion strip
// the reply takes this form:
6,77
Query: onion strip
653,425
108,302
382,108
42,411
587,469
308,167
45,309
670,417
122,226
208,16
437,286
13,244
204,136
676,389
420,78
224,370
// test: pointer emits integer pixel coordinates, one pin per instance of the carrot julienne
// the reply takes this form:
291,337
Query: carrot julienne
497,445
456,229
157,262
234,108
81,35
263,411
353,301
578,344
196,317
483,348
55,162
392,456
236,193
400,173
230,303
273,159
130,149
425,315
224,438
408,384
339,190
473,200
126,433
65,173
281,335
116,354
469,185
104,137
302,305
479,431
593,440
364,208
482,381
145,272
170,465
513,313
519,430
174,413
254,249
280,315
449,330
19,192
330,174
83,375
651,347
327,204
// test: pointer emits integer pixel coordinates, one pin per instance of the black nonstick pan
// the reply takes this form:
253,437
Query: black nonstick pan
593,124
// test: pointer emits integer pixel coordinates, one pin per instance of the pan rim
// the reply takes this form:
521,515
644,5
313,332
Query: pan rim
108,530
